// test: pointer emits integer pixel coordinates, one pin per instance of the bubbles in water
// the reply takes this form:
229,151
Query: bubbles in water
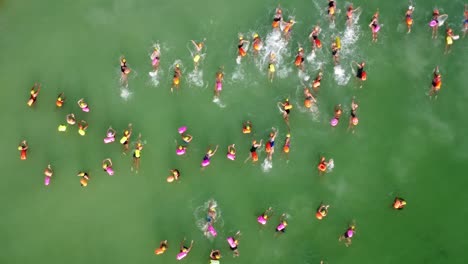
217,101
284,72
238,74
125,93
303,76
267,165
196,78
340,76
331,165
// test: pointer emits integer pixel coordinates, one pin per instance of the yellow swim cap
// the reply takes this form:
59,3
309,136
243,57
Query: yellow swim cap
255,35
288,135
241,38
177,65
62,128
301,49
287,100
124,60
20,148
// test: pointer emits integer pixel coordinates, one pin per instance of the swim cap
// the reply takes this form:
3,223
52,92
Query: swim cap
255,35
291,21
124,60
210,151
288,135
287,100
301,49
177,65
20,148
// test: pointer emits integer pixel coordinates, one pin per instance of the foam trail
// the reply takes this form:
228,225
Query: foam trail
196,78
267,165
274,43
125,93
217,101
238,74
340,75
331,165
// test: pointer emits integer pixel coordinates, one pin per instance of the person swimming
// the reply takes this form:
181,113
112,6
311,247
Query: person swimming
215,255
353,120
198,52
184,251
436,83
247,127
71,120
187,138
257,44
253,151
399,203
107,166
174,176
211,213
374,26
299,61
60,100
322,166
331,10
48,173
277,19
313,37
322,211
287,144
286,110
137,154
335,49
23,148
287,29
435,23
83,105
361,74
241,48
270,145
281,227
207,158
219,82
465,22
176,77
409,18
84,178
82,127
348,235
33,94
110,136
234,243
317,81
162,248
271,66
263,218
231,152
125,140
336,116
125,71
155,58
449,38
181,150
309,98
349,15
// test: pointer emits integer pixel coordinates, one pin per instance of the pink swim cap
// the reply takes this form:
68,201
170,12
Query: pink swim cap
334,122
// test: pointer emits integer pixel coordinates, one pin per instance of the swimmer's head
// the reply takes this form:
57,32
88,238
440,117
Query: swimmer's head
255,35
301,49
286,100
210,151
124,60
156,49
292,21
272,134
254,142
288,135
241,37
279,11
177,65
411,7
180,147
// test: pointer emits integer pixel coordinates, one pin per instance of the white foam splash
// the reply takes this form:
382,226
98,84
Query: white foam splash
196,78
340,75
238,74
331,165
218,102
125,93
267,165
276,44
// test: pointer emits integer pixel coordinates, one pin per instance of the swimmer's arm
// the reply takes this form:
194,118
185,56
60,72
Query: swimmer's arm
191,245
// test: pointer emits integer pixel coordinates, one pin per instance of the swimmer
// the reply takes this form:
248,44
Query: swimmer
110,135
399,203
162,248
71,120
263,218
181,150
257,44
322,166
331,10
336,116
271,66
176,77
436,83
349,15
409,18
60,100
231,152
449,38
186,137
174,176
435,23
207,158
348,235
286,110
84,178
465,22
247,127
33,95
198,52
277,19
322,211
137,154
374,26
288,28
125,140
299,61
281,227
215,255
313,37
219,82
107,166
183,252
241,48
253,151
270,145
335,49
125,71
233,243
211,214
317,80
361,74
23,148
83,105
155,57
309,98
48,173
287,144
353,120
82,126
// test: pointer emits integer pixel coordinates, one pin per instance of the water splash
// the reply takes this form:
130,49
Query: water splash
125,93
274,43
340,75
218,102
331,165
238,74
267,165
196,78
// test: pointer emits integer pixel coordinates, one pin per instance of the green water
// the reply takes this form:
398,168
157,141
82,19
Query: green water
405,144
